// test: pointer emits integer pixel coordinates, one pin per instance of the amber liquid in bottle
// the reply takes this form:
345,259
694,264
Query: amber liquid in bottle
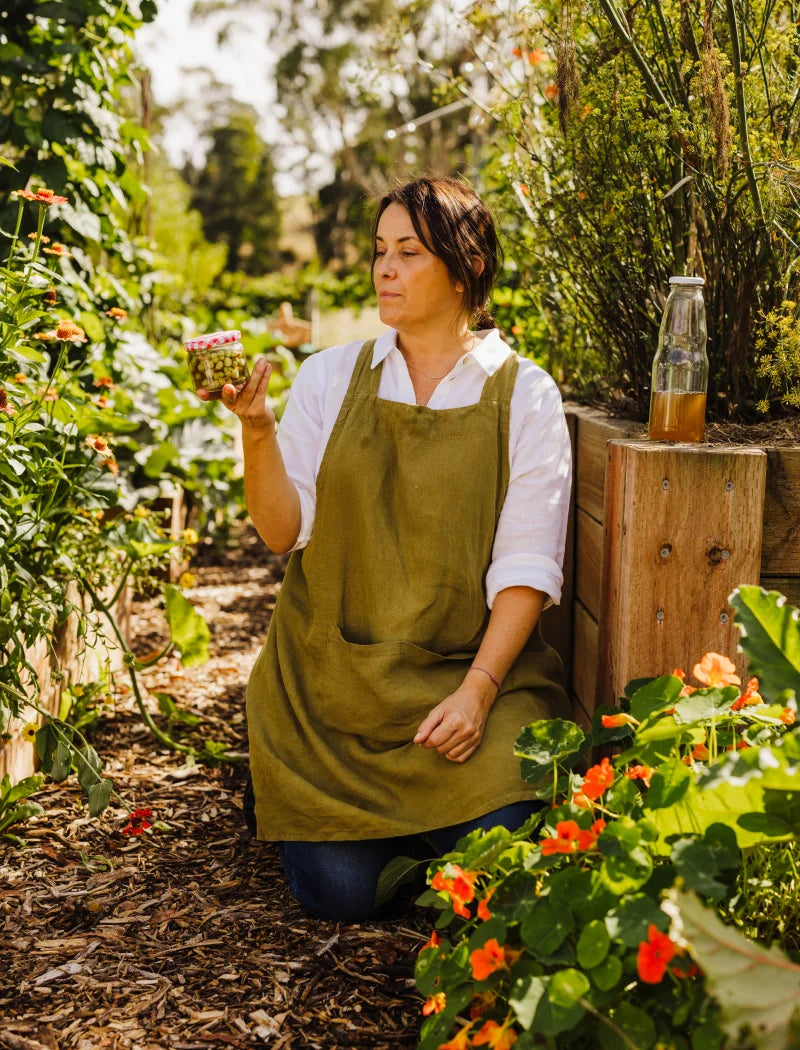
677,416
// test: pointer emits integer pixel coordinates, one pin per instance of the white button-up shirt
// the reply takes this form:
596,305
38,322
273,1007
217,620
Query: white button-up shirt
529,543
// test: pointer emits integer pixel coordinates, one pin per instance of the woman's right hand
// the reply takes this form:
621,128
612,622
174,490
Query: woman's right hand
249,402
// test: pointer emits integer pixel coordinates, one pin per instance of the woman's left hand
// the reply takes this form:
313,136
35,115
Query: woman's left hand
455,726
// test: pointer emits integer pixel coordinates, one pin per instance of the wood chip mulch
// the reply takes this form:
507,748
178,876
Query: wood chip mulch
186,937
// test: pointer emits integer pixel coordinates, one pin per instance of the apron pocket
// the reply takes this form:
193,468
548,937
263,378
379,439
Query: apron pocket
383,690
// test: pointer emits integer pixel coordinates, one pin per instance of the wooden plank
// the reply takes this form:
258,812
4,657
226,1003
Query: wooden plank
584,658
595,430
588,561
781,541
788,586
557,620
683,527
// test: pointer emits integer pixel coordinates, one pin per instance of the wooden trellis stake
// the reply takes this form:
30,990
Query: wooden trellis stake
683,527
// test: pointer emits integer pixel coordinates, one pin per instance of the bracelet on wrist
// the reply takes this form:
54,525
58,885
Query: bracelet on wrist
489,673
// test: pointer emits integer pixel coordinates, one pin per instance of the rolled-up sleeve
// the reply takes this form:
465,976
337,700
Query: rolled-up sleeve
300,436
531,533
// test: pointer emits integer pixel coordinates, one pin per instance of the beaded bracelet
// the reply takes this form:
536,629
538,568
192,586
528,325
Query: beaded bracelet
498,684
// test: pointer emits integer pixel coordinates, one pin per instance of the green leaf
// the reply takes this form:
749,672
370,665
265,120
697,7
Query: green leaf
19,813
99,795
770,638
655,697
607,974
89,767
629,922
593,944
524,998
723,803
705,704
668,784
558,1009
635,1023
546,927
22,789
160,458
397,872
168,707
755,987
549,741
188,630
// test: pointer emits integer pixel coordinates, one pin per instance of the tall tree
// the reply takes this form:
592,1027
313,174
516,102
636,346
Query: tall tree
234,191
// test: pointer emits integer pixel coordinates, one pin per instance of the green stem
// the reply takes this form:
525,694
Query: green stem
16,235
129,660
741,109
619,28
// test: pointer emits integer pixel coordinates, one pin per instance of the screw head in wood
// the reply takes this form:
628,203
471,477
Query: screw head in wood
729,486
723,617
665,484
660,615
666,550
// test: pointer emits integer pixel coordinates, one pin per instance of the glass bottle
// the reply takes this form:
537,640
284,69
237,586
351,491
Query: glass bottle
680,367
217,359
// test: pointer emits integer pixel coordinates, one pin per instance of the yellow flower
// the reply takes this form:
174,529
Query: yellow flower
141,512
29,731
190,536
186,579
77,689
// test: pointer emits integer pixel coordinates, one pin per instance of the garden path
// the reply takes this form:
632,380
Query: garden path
186,937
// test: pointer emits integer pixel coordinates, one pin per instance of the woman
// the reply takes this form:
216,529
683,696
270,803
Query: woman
421,480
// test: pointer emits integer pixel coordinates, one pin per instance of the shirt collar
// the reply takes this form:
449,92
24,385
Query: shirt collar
490,352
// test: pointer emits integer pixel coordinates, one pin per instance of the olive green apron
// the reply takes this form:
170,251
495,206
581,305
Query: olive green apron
378,620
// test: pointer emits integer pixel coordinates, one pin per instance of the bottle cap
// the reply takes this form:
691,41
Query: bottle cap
696,282
205,342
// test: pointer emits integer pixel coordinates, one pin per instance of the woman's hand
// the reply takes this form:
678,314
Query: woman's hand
455,726
249,402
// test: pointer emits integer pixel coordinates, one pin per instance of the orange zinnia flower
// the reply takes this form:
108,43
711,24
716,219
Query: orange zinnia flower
42,196
434,1004
105,381
598,779
498,1037
112,465
486,960
715,669
117,313
621,719
536,56
654,955
42,239
69,331
58,249
563,841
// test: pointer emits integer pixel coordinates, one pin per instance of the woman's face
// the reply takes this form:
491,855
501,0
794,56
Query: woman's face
414,287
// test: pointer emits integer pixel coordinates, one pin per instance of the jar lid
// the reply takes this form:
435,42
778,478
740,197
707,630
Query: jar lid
696,282
205,342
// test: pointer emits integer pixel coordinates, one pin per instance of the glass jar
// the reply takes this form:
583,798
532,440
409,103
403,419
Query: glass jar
680,367
217,359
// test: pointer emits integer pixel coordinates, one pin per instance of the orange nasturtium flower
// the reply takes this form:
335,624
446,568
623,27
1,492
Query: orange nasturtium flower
483,906
598,779
640,772
434,1004
620,719
588,839
654,955
433,941
700,753
496,1036
788,716
564,841
460,1040
750,697
460,887
551,92
486,960
715,669
482,1003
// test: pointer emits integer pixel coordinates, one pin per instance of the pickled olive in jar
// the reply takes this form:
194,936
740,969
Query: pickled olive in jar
215,360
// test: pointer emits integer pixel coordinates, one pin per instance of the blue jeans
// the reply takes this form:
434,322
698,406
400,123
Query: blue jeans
338,880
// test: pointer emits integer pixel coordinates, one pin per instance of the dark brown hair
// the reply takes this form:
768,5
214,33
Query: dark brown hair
455,225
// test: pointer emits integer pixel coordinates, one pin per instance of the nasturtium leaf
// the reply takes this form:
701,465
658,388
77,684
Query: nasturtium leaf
630,920
696,863
634,1022
705,704
607,974
549,741
754,986
428,968
397,872
770,637
655,696
545,928
567,987
524,998
188,629
707,1037
669,784
493,928
486,848
593,944
699,809
626,872
99,795
559,1009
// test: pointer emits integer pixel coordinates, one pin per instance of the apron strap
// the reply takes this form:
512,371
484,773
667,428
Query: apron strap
365,378
500,386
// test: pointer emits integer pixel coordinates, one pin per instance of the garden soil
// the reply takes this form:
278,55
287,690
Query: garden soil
186,937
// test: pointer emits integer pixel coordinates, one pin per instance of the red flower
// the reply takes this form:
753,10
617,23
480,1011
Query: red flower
498,1037
483,906
486,960
693,970
588,839
434,1004
433,942
564,840
750,697
654,955
598,779
639,772
788,716
460,888
700,753
137,822
621,719
678,673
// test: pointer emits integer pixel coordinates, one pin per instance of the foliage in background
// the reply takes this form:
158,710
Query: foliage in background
570,932
630,146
